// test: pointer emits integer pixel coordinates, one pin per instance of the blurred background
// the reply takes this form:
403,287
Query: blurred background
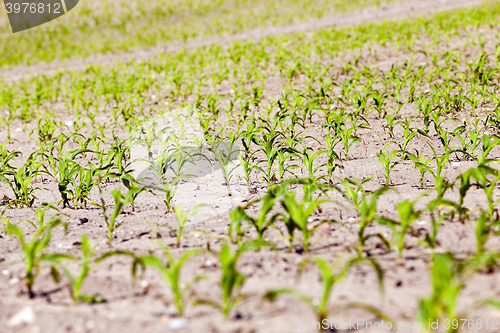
105,26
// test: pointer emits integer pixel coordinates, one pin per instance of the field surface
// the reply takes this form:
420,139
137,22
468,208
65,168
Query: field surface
235,166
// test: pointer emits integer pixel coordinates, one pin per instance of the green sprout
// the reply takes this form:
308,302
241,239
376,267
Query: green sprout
330,275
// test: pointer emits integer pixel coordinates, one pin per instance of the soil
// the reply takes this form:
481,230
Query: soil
145,305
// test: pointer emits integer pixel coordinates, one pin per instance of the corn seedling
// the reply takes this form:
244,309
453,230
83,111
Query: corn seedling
422,164
261,223
435,209
183,218
171,272
231,280
120,201
386,159
367,212
87,264
407,215
448,278
297,216
330,275
33,249
224,153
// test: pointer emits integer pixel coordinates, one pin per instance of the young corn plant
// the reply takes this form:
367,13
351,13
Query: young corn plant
438,215
297,216
171,272
120,201
332,156
246,164
23,178
330,275
231,280
33,249
169,190
169,195
448,279
478,177
407,215
270,146
183,218
66,170
261,223
422,164
368,213
354,191
386,159
308,160
348,138
484,227
87,264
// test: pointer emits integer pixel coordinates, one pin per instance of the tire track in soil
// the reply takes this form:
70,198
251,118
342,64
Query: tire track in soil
392,12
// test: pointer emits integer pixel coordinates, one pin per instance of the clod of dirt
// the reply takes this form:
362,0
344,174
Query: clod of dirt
5,200
82,220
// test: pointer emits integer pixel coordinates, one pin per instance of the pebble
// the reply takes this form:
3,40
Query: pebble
68,123
177,323
5,272
18,129
14,281
324,229
24,316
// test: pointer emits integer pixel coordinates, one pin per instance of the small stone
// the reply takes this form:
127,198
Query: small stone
24,316
18,129
68,123
5,272
13,281
324,229
177,323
